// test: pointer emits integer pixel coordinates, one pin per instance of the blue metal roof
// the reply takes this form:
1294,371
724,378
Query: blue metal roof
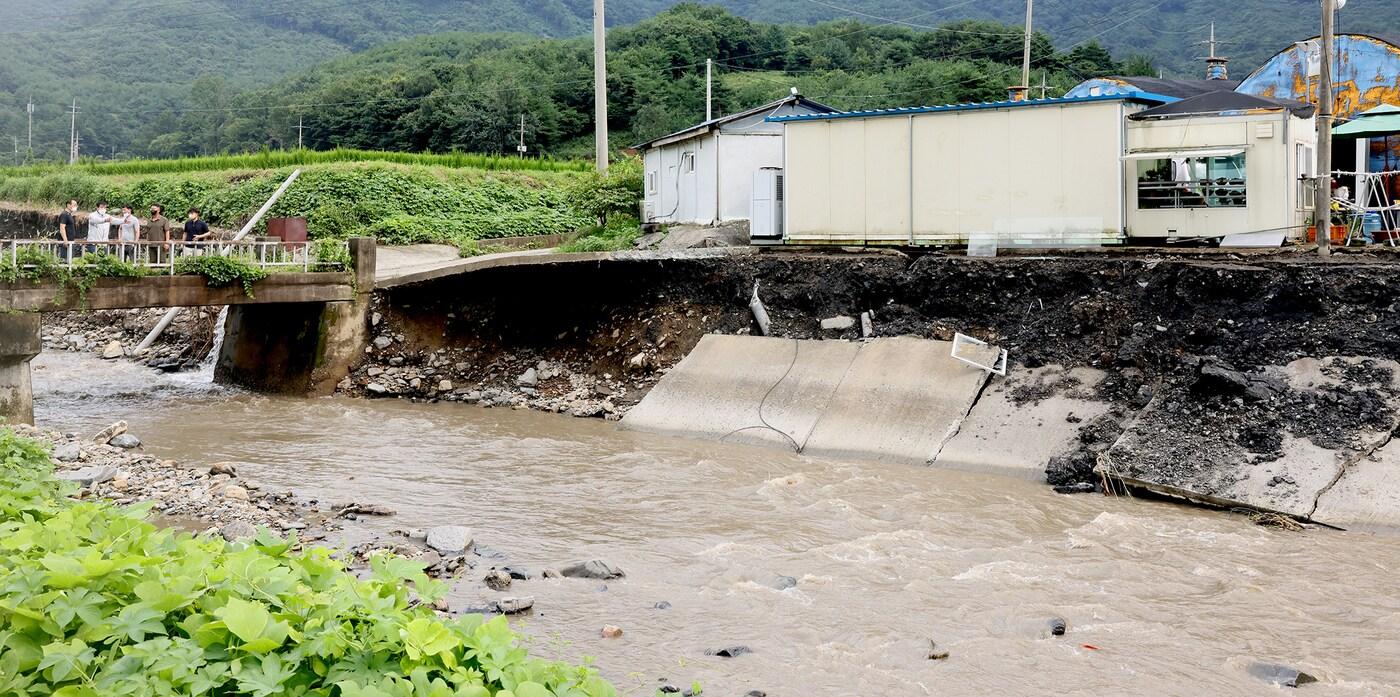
1143,97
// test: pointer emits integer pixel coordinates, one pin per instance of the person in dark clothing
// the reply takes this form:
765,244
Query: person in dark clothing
196,230
68,227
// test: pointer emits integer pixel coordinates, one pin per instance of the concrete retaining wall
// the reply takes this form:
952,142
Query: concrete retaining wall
899,399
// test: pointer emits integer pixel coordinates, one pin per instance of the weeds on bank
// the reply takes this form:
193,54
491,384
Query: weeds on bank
96,601
220,271
30,264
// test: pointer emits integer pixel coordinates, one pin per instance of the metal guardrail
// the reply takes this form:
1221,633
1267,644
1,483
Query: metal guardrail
273,255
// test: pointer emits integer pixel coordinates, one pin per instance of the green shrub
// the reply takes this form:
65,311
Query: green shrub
619,192
619,234
96,601
220,271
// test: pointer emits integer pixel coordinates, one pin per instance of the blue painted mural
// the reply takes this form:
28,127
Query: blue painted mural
1366,73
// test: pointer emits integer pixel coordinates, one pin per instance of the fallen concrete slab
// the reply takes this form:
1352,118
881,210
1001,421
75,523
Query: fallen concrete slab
728,386
895,399
1006,436
1342,482
901,400
1367,495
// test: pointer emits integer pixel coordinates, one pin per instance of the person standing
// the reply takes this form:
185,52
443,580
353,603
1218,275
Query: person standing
157,233
128,228
68,228
196,230
99,227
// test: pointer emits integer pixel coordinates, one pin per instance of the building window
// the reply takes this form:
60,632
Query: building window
1192,182
688,162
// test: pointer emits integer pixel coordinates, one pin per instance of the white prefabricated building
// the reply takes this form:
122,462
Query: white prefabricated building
1044,171
704,174
1228,164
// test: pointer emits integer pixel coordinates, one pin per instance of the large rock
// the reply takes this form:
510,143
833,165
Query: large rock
529,378
113,351
450,539
68,452
125,441
594,568
106,435
238,530
89,476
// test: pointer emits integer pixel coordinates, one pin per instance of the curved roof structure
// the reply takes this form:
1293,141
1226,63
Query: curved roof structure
1180,89
1368,74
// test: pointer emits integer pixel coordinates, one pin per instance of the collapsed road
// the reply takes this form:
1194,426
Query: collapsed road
1265,381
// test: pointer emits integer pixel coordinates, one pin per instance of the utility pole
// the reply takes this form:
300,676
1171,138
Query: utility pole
709,89
600,85
73,135
16,150
1044,86
521,147
1217,66
30,109
301,126
1022,92
1322,216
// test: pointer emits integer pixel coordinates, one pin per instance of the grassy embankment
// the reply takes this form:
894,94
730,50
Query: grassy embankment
460,199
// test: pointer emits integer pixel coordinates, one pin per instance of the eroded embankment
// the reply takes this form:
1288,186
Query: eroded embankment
1200,356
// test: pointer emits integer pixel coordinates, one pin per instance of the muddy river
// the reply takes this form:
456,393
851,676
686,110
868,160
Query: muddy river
1173,600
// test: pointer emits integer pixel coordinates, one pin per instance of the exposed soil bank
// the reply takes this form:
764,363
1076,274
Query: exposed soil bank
1195,336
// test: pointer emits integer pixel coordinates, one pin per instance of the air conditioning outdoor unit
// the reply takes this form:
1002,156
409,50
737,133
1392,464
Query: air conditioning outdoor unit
766,221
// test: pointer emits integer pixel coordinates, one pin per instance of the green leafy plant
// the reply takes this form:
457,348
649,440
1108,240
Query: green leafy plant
331,255
220,271
96,601
618,234
619,192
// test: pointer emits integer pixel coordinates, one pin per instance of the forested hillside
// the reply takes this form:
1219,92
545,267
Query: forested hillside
132,63
469,91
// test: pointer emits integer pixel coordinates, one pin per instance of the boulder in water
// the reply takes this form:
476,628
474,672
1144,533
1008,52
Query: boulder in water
1280,674
594,568
449,539
125,441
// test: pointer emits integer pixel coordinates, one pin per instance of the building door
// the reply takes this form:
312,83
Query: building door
689,185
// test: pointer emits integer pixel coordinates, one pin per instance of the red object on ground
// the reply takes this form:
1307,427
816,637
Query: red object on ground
1091,647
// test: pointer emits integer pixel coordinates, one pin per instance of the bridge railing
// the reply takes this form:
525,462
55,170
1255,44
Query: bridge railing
273,255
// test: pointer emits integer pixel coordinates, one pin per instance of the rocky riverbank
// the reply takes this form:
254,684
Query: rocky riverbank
216,499
115,334
395,366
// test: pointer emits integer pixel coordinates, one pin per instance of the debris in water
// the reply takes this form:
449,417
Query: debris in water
1057,627
1091,647
1276,520
936,654
611,631
1280,674
729,651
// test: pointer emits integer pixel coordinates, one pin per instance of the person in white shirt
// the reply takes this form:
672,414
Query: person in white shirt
99,227
128,229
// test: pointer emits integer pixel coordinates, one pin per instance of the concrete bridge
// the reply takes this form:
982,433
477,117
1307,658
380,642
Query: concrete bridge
296,332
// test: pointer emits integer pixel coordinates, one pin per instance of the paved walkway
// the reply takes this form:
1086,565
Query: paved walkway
402,266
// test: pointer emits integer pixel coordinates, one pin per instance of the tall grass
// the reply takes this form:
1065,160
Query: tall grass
276,159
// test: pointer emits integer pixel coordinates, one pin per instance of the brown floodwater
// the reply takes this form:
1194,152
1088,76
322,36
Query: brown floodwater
1176,600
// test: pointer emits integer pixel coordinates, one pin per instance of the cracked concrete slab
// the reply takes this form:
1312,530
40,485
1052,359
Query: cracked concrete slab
1367,495
1007,436
898,399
